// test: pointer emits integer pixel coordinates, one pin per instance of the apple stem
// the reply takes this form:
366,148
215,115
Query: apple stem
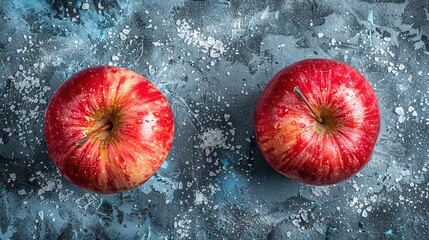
101,129
304,99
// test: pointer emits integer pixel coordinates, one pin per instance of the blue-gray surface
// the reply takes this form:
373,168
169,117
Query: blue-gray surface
212,59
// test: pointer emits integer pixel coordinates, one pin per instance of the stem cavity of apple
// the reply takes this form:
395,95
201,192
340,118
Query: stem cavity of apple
304,99
101,129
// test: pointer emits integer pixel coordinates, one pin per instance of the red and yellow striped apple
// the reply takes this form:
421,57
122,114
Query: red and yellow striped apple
317,121
108,129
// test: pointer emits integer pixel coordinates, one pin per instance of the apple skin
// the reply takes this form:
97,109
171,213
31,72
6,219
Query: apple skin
297,145
138,138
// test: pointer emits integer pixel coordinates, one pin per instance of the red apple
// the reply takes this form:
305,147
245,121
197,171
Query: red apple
331,144
108,129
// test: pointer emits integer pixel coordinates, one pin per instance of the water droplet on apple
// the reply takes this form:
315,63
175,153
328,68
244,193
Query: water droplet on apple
293,122
302,125
281,112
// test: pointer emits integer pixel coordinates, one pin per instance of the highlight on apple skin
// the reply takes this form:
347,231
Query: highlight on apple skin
317,121
108,129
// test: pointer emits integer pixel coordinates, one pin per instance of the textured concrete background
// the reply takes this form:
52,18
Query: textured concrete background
212,59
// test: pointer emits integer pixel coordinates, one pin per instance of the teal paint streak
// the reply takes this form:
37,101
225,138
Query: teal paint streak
371,17
231,182
165,165
389,232
225,160
371,28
